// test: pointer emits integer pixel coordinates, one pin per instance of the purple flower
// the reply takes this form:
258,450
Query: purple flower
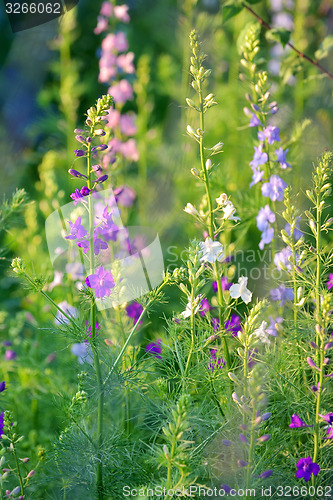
265,474
79,194
251,357
329,283
88,331
102,282
274,189
259,158
77,230
271,329
224,282
2,386
226,488
134,311
79,152
102,178
84,244
215,363
328,417
254,122
10,355
233,325
282,294
305,467
83,352
264,218
75,173
312,364
215,322
125,196
297,234
99,245
329,433
266,237
257,176
204,307
270,133
155,348
281,158
297,422
281,259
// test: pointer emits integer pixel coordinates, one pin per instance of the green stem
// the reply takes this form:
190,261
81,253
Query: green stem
18,469
188,362
251,453
211,222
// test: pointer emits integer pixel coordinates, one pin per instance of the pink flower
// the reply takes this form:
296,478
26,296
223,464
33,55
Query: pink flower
120,13
102,25
127,124
125,62
129,150
106,9
120,41
121,91
113,118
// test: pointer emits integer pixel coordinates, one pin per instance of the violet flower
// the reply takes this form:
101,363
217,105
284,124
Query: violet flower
305,468
233,325
281,294
224,282
134,311
3,386
76,230
102,282
270,133
154,348
264,218
215,363
281,158
259,157
254,122
79,194
274,189
297,422
10,355
329,283
204,307
328,418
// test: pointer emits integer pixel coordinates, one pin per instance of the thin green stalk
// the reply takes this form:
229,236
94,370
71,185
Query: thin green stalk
251,453
211,222
188,362
18,470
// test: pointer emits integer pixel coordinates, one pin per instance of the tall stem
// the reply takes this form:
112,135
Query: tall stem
211,222
97,364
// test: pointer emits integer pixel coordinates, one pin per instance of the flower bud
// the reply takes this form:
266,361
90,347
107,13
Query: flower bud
31,473
79,152
208,164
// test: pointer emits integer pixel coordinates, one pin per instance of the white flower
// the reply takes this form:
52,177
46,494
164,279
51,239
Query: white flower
222,199
211,250
188,310
262,333
190,209
57,280
240,290
69,310
228,211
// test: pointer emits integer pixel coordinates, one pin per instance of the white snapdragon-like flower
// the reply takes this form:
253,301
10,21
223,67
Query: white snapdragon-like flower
211,251
188,310
222,199
228,211
262,333
190,209
239,290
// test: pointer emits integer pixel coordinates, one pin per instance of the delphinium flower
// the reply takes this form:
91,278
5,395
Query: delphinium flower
10,355
329,283
305,468
215,362
134,311
116,64
3,386
265,217
281,294
101,282
154,348
297,422
83,352
225,284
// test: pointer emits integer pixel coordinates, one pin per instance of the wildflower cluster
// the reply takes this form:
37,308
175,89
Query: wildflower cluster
268,159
